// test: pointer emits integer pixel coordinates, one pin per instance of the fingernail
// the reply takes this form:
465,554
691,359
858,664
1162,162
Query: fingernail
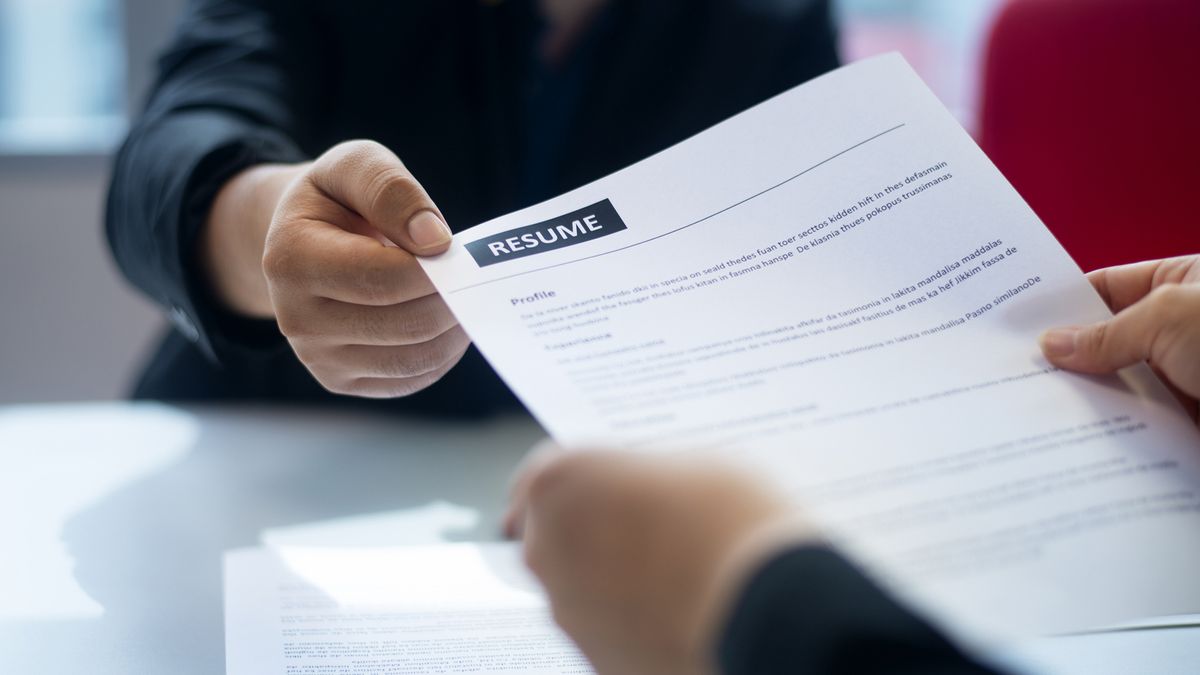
1059,342
427,230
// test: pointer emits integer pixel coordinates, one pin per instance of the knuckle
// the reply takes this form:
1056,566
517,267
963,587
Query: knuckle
394,180
1096,339
367,327
1170,302
393,188
434,375
430,360
405,363
291,325
307,327
377,282
420,326
366,387
405,387
452,350
352,152
336,385
278,261
376,286
289,254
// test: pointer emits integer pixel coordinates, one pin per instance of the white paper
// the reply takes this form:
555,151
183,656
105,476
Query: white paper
838,288
449,608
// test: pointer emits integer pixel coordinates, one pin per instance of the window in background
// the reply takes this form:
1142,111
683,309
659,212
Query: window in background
62,76
942,39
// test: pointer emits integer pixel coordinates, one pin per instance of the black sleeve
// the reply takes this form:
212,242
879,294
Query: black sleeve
235,88
810,611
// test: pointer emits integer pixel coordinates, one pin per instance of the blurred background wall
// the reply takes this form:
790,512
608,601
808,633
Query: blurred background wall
70,70
70,73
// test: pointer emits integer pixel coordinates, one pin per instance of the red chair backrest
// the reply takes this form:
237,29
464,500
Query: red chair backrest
1092,109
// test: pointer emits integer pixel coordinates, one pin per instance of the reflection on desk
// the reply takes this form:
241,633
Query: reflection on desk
114,517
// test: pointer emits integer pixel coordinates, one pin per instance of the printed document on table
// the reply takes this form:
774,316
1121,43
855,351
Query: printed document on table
839,289
449,608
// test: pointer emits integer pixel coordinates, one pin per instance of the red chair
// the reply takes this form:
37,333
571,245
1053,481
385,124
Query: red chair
1092,109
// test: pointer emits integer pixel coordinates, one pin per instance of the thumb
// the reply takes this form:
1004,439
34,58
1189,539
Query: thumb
1139,333
370,180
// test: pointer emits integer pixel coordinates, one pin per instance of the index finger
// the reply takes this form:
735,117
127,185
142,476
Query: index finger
357,269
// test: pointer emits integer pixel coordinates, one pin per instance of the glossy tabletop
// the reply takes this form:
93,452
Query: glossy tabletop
114,517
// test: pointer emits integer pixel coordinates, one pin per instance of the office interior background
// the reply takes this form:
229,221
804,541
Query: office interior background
72,72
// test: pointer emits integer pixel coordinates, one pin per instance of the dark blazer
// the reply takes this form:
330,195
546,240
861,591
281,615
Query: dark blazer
453,87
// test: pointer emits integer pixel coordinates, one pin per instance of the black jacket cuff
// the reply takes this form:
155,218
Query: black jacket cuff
808,610
208,149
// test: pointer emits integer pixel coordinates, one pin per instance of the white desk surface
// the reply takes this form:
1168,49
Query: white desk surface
113,519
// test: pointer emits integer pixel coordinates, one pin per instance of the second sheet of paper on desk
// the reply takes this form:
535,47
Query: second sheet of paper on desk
840,289
448,608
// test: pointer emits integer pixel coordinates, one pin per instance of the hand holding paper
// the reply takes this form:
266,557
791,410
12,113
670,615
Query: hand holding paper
643,557
1158,320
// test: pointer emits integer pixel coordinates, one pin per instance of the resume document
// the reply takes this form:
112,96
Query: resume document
837,289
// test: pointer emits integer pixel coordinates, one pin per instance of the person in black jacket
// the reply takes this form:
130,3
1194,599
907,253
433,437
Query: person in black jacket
678,565
243,205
